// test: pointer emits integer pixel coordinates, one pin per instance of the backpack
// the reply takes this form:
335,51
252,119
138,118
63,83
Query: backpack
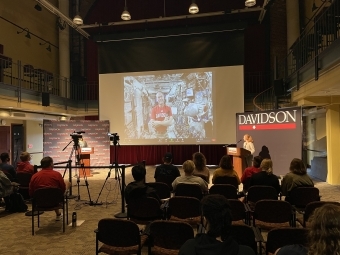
17,203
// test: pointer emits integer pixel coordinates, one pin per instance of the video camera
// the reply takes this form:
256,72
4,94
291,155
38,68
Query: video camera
76,135
113,137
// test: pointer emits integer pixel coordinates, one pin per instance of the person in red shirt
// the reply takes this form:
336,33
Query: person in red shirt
249,171
161,116
25,166
46,178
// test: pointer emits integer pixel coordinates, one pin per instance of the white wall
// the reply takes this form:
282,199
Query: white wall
34,139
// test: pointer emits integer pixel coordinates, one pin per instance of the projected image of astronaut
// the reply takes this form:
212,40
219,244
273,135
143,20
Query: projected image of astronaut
160,117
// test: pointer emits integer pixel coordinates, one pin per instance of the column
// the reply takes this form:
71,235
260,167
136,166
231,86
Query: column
293,22
333,144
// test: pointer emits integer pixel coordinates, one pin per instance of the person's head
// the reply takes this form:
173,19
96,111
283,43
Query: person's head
167,158
199,160
138,173
250,139
4,157
245,137
188,167
25,156
46,162
267,165
324,234
160,98
297,167
217,212
226,162
265,149
257,161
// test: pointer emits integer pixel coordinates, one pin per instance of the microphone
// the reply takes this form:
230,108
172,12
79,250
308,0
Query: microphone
239,141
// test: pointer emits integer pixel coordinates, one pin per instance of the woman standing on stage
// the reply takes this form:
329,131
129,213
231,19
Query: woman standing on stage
249,145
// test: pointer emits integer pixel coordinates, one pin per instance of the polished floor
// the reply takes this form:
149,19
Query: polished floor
15,229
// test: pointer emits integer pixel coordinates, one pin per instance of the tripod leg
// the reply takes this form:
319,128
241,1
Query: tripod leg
107,177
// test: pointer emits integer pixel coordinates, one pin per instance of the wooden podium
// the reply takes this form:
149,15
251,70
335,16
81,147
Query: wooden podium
85,153
239,158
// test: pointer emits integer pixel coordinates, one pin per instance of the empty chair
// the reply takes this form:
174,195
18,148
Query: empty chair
232,180
256,193
118,237
162,189
280,237
49,199
185,209
245,235
24,180
309,209
168,236
239,212
189,190
144,210
301,196
227,190
270,214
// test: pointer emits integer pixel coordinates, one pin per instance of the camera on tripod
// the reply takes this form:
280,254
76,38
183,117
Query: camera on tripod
113,137
76,135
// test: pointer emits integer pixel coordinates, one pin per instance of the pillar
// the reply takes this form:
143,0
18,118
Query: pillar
293,22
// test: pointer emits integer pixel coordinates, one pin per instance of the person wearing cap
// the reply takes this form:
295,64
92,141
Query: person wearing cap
217,239
167,168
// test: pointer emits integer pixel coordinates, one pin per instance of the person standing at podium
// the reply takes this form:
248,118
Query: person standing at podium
249,145
82,143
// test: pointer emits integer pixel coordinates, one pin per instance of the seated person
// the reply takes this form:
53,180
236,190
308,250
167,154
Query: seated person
138,189
217,214
6,188
48,178
167,168
324,234
189,178
25,166
266,176
297,177
201,168
226,168
249,171
6,167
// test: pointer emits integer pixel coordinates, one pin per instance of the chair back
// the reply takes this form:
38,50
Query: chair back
232,180
117,232
24,179
227,190
301,196
203,176
280,237
259,192
48,198
273,211
9,176
184,207
189,190
162,189
238,210
144,209
168,179
170,234
244,235
310,208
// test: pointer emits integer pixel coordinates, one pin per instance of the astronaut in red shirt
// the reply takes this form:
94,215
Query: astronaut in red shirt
161,117
48,178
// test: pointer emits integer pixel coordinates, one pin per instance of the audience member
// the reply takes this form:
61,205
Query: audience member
188,167
6,167
217,214
167,168
297,177
138,189
201,169
226,168
25,166
249,171
265,176
6,188
48,178
324,234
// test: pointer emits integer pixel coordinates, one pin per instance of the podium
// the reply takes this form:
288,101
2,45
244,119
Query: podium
239,159
85,153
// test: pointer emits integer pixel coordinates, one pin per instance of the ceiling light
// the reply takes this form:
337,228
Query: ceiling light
78,20
125,14
28,35
193,9
250,3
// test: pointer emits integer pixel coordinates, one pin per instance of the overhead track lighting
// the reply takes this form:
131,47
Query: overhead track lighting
125,14
193,8
250,3
48,47
27,34
78,20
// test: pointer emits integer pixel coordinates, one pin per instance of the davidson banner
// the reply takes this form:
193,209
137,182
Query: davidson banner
277,135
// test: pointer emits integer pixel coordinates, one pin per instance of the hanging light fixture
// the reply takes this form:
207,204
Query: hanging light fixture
193,8
28,35
125,14
250,3
78,20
